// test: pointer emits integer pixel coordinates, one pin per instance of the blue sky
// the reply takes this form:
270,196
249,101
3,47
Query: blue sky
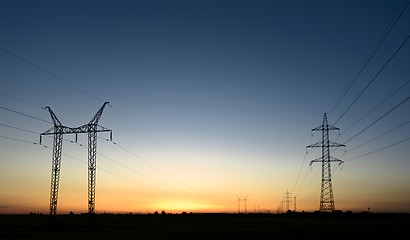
210,100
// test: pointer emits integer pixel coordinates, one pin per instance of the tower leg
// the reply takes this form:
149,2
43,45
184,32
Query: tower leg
55,175
92,151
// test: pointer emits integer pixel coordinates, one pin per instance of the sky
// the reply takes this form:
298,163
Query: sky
211,104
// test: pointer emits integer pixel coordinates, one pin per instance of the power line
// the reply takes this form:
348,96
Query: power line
146,176
135,171
21,129
377,150
150,164
313,191
49,73
115,143
16,139
380,42
29,103
377,74
112,173
140,158
303,181
384,115
371,140
29,131
139,183
79,160
377,106
120,164
88,93
300,169
27,115
144,133
21,100
115,109
301,166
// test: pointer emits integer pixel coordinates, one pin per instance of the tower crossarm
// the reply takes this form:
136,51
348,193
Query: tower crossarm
332,159
68,130
335,144
331,144
59,130
325,127
87,129
92,126
318,144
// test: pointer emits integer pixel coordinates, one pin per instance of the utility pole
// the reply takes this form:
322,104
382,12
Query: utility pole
294,204
58,130
326,194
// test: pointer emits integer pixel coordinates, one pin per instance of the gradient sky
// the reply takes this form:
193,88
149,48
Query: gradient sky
210,101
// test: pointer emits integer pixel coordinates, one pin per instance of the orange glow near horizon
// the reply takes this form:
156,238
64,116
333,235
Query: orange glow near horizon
175,206
117,203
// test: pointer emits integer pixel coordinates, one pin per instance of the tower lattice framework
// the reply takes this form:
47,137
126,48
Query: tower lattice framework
326,193
58,130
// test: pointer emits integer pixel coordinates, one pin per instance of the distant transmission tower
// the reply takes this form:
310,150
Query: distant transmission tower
58,130
326,194
287,197
239,203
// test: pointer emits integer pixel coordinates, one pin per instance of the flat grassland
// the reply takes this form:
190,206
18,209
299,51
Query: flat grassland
207,226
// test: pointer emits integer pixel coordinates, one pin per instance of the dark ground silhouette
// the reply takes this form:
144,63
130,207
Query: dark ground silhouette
207,226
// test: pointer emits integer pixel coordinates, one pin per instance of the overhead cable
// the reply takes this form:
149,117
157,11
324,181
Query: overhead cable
384,115
374,78
380,42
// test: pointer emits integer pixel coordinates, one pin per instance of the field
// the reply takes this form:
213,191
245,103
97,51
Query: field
207,226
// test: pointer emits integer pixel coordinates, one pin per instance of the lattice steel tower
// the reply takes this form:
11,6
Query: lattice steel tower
288,201
326,194
58,130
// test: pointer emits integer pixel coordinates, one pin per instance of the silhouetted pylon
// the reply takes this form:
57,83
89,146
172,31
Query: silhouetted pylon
326,194
58,130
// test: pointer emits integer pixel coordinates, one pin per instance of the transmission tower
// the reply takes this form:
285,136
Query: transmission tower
287,197
326,194
58,130
239,203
